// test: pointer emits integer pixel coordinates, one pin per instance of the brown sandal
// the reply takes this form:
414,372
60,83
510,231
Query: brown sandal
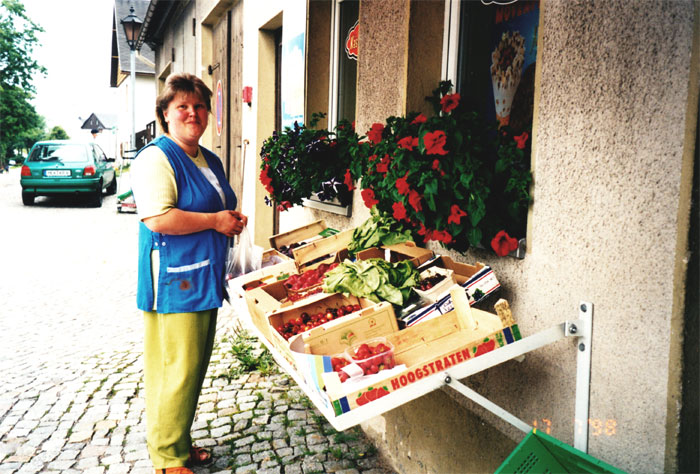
200,456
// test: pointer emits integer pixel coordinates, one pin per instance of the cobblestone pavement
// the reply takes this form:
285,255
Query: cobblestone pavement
71,389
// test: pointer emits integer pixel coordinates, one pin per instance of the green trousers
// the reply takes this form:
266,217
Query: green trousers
177,349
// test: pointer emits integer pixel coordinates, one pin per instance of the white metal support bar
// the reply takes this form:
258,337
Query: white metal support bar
583,331
580,328
486,403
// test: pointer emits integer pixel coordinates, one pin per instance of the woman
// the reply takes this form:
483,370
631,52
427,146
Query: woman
186,207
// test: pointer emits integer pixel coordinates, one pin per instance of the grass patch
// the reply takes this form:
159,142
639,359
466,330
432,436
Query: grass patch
343,437
250,358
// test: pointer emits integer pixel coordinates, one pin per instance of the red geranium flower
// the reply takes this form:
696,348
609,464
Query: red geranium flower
372,157
503,244
368,197
348,180
419,119
414,199
408,143
436,164
402,184
383,166
434,143
284,205
521,140
375,133
456,215
442,236
266,180
449,102
399,211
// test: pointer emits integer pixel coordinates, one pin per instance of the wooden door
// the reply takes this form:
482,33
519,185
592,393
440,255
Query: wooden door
218,71
238,151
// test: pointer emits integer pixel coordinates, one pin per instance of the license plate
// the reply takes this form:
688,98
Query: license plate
57,173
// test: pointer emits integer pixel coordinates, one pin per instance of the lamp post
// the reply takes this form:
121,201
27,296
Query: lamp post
132,27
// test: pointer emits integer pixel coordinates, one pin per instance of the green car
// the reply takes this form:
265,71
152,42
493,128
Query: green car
63,167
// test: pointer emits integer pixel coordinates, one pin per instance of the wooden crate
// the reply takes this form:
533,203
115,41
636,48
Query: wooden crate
419,351
264,276
370,319
301,234
334,247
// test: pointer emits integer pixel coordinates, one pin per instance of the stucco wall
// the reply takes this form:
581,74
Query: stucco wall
605,226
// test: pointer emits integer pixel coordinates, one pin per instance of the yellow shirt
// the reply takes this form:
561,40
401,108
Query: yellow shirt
155,191
153,181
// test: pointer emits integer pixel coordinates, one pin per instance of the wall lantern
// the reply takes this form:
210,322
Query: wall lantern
132,28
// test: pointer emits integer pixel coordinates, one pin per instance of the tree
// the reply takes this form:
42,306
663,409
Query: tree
21,125
17,41
57,133
18,118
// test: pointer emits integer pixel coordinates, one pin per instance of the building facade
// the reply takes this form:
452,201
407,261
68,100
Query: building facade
610,97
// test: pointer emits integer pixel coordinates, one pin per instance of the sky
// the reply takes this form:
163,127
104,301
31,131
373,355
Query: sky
75,49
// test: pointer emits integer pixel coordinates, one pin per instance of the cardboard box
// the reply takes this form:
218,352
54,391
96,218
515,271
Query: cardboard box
398,252
478,280
270,272
337,334
420,351
462,271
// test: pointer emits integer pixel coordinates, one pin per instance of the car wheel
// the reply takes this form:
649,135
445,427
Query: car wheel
112,188
97,198
27,199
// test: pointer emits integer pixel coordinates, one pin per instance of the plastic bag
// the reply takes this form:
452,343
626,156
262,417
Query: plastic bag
244,257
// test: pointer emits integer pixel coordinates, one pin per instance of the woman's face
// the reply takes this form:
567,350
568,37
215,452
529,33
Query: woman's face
187,118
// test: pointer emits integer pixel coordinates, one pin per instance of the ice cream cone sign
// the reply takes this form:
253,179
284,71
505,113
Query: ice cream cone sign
506,68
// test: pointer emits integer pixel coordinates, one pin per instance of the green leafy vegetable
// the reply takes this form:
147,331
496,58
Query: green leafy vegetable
374,278
380,229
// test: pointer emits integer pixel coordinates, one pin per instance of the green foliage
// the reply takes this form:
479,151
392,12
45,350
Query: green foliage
57,133
20,125
17,41
302,161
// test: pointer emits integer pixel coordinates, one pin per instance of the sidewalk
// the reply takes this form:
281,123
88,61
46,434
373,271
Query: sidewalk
95,424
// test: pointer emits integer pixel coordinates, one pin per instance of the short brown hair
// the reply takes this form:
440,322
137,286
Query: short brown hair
176,83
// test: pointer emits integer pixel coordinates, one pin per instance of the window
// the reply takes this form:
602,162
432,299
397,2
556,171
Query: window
490,57
344,52
490,51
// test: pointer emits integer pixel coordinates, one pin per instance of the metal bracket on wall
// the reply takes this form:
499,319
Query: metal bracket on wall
580,328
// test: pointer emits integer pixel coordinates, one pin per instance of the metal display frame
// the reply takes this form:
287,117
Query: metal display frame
580,328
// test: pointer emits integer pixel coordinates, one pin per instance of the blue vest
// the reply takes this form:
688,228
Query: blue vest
192,267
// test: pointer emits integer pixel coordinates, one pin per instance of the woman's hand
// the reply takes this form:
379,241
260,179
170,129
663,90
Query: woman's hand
178,222
230,223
